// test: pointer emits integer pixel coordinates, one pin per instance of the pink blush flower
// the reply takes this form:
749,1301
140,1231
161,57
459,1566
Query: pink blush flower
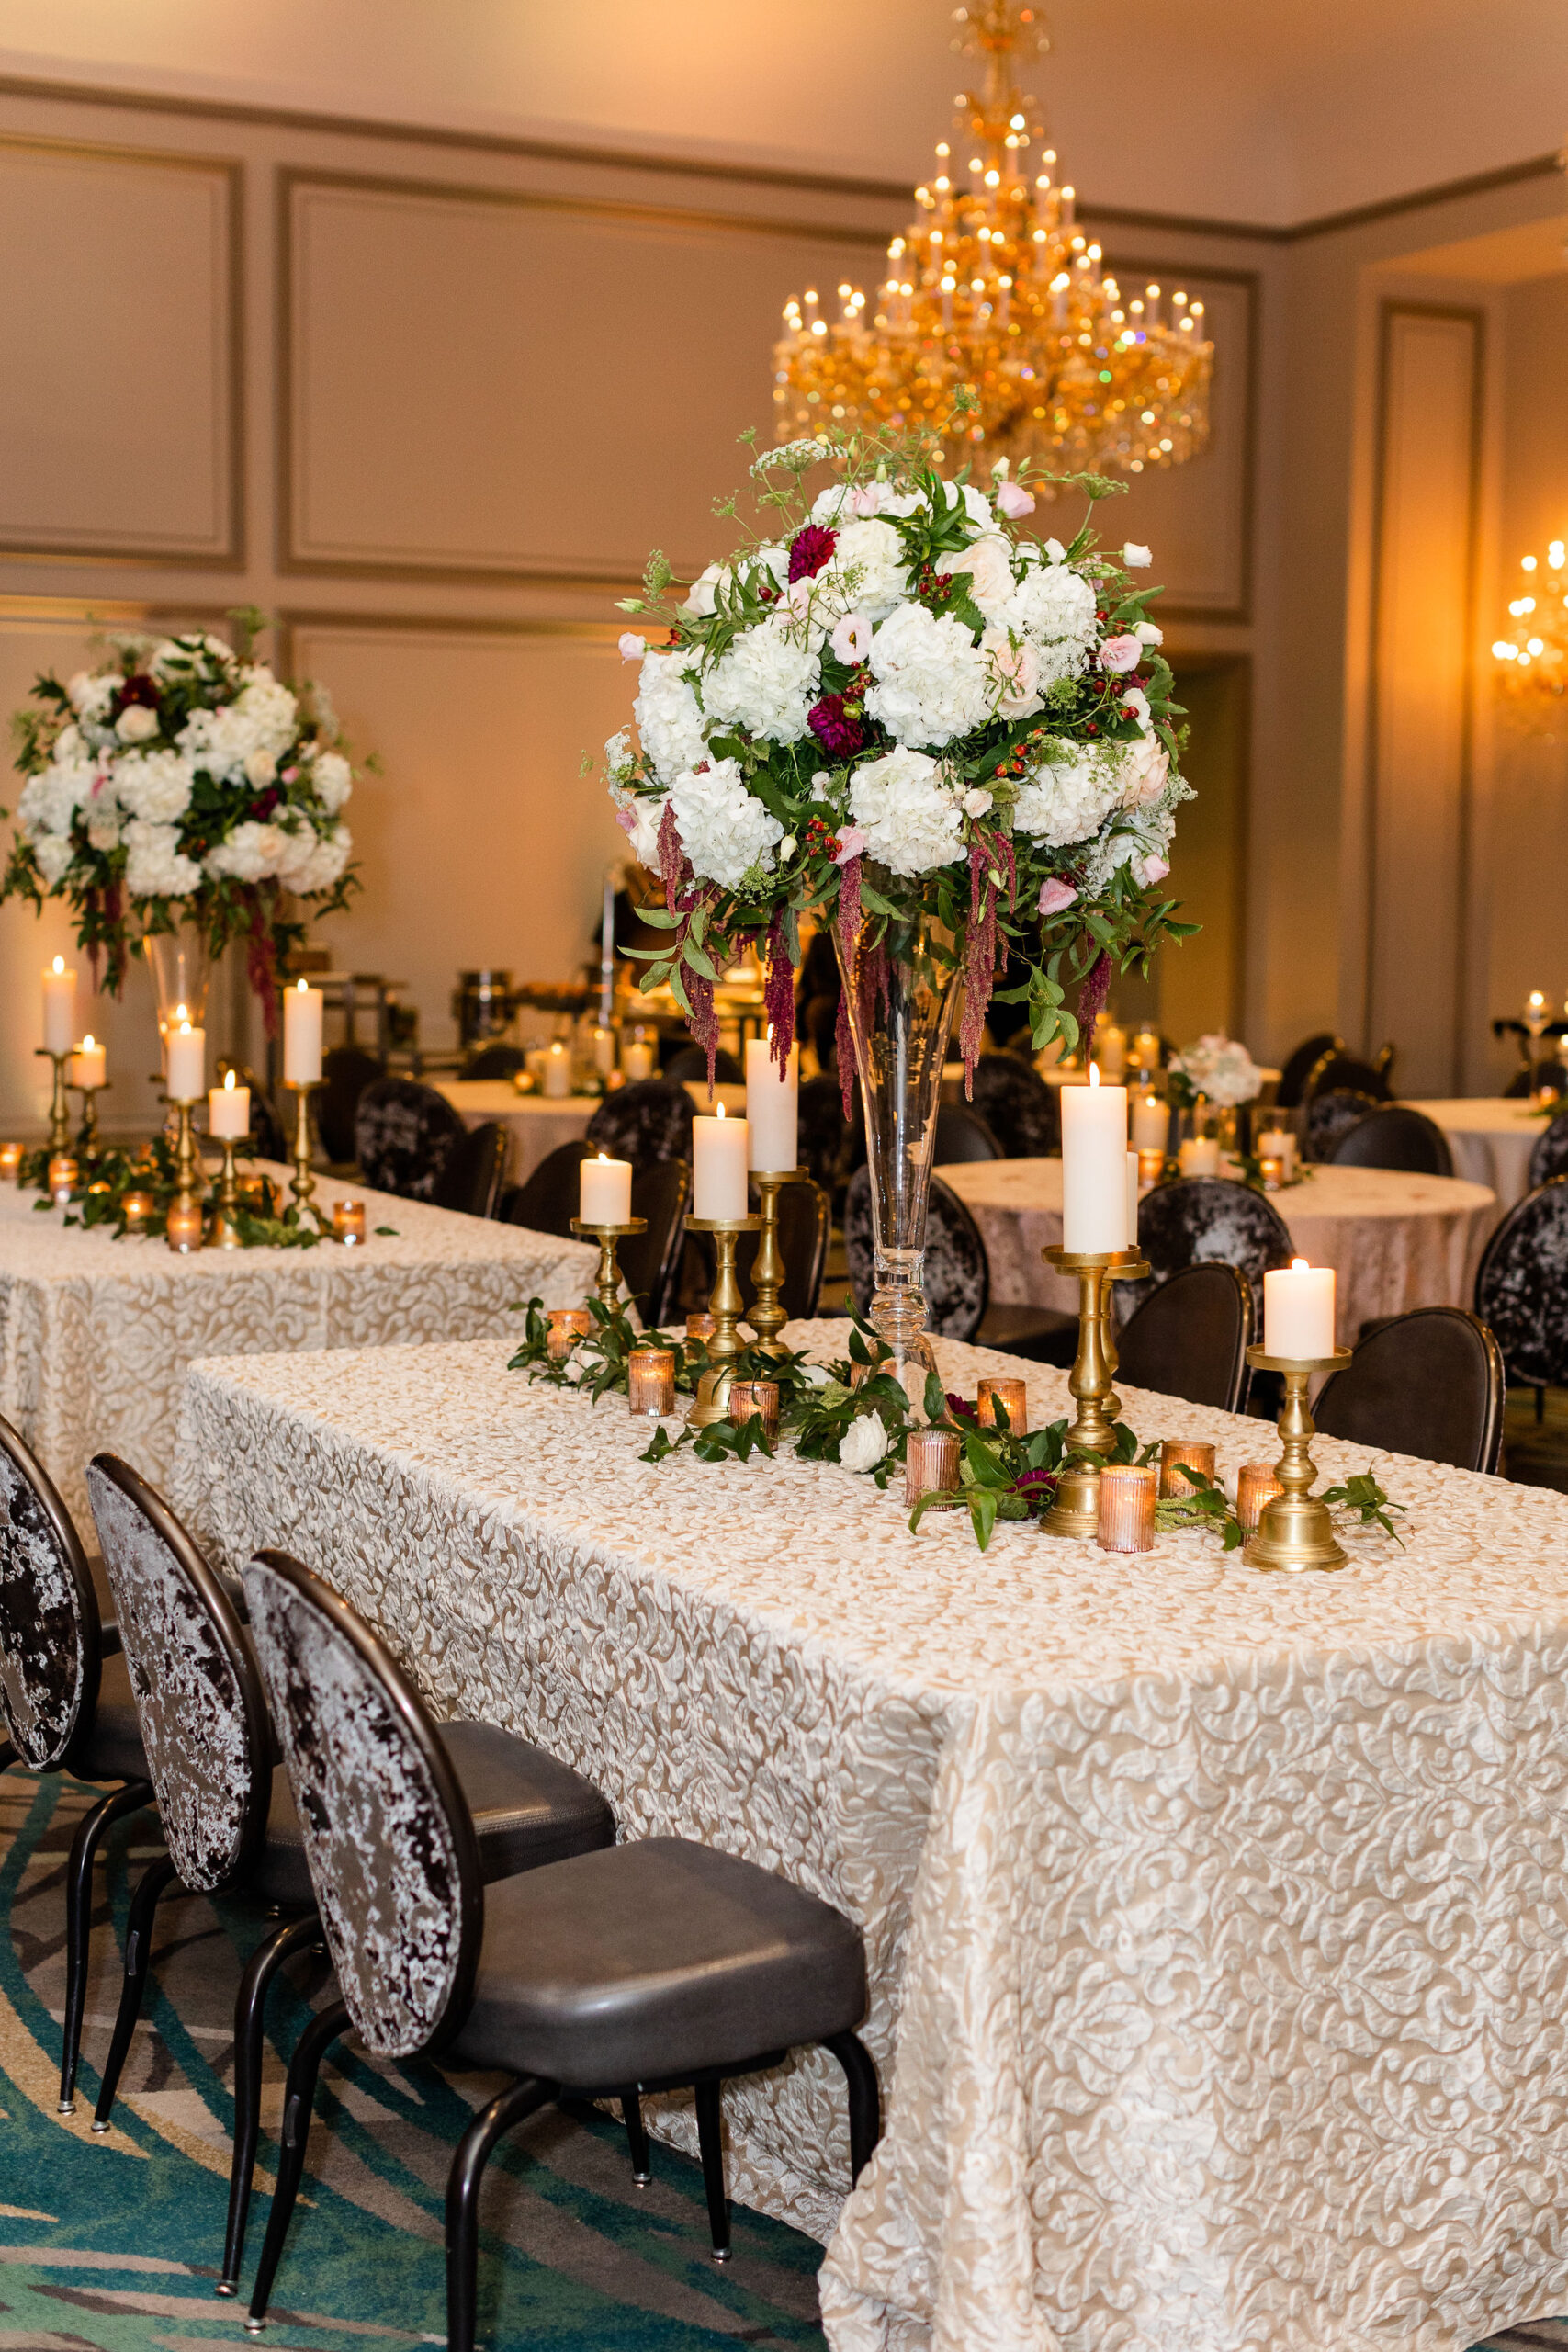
1014,502
633,647
1155,869
1055,894
1121,653
852,843
851,639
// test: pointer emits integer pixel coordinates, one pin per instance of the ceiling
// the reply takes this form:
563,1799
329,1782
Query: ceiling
1272,111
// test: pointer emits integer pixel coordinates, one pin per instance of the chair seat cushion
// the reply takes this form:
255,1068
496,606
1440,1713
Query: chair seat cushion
527,1808
112,1749
652,1961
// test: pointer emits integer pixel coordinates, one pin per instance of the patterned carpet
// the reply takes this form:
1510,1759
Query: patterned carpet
111,2244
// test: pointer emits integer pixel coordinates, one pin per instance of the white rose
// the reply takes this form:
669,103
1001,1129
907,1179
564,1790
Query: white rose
1146,772
312,862
260,769
863,1443
766,681
1135,558
669,716
909,817
932,682
701,598
642,833
977,505
978,802
724,829
988,562
332,779
54,853
252,852
867,572
136,723
155,786
1146,634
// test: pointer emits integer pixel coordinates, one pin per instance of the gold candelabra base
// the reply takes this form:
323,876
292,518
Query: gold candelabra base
223,1235
1294,1531
59,1112
725,1303
1076,1511
190,1182
769,1314
87,1133
607,1281
302,1184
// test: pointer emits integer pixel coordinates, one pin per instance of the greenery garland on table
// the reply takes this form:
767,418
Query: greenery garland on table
103,1178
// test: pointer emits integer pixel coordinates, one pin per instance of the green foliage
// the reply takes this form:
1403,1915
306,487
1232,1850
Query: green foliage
1366,1500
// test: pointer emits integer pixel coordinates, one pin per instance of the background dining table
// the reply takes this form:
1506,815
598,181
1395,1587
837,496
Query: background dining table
1394,1240
1213,1918
96,1332
1491,1137
537,1123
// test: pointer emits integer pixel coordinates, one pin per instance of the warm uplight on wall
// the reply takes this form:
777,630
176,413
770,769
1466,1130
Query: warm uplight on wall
1532,659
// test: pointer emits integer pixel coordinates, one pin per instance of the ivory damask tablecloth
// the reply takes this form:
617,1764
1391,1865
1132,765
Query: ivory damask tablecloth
1217,1924
96,1334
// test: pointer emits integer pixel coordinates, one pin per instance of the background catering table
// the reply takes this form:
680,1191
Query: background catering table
1491,1138
1394,1240
1217,1923
96,1334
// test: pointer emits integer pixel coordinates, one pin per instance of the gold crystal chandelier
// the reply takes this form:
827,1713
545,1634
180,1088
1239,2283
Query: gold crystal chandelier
995,288
1532,659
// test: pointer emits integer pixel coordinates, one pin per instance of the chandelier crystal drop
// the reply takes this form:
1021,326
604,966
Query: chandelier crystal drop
1532,658
994,287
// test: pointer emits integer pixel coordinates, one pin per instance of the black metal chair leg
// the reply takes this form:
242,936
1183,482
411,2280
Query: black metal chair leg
298,2098
511,2107
710,2143
865,2098
138,1952
250,2011
79,1919
636,2139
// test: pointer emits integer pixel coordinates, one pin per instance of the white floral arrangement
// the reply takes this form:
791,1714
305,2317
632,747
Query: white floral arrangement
181,781
895,699
1220,1069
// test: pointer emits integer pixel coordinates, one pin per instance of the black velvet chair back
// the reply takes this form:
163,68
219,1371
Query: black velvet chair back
495,1060
958,1274
1337,1070
1190,1337
1395,1137
1430,1383
346,1071
470,1179
688,1066
651,1120
546,1202
1198,1218
404,1135
389,1840
1300,1065
50,1632
1328,1119
961,1135
1549,1157
1018,1106
1521,1289
651,1262
197,1697
1525,1081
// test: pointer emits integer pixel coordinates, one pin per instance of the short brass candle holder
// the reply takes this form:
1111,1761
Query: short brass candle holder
302,1184
725,1303
87,1133
190,1185
1294,1531
59,1116
1076,1511
769,1314
224,1234
607,1281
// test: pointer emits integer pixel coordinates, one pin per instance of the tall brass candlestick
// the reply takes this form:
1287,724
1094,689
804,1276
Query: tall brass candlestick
1076,1511
1294,1531
190,1186
725,1303
87,1133
59,1116
303,1182
607,1281
769,1314
223,1235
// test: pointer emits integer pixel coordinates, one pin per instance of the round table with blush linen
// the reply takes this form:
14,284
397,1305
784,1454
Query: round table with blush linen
1491,1137
536,1124
1394,1240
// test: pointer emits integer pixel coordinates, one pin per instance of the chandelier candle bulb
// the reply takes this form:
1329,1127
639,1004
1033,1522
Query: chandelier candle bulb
772,1107
556,1082
303,1013
1145,1052
1126,1507
89,1065
1150,1123
187,1063
603,1048
59,1007
1094,1168
1255,1486
228,1109
1013,1397
720,1149
606,1197
1110,1051
1298,1311
650,1382
1198,1454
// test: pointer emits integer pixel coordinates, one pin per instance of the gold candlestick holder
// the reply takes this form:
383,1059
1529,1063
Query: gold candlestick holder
725,1303
87,1133
302,1184
607,1281
1295,1530
223,1235
769,1314
59,1114
191,1184
1076,1511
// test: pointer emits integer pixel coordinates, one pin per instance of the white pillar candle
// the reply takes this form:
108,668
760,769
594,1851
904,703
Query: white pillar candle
1298,1311
1094,1167
1110,1051
187,1063
557,1071
719,1151
637,1058
88,1064
228,1109
1200,1156
607,1194
603,1049
302,1015
772,1107
1151,1123
59,1007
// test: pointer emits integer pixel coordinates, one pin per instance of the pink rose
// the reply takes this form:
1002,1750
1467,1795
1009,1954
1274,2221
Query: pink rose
1155,869
633,647
851,639
852,843
866,501
798,596
1147,767
1055,894
1017,668
1014,502
1121,653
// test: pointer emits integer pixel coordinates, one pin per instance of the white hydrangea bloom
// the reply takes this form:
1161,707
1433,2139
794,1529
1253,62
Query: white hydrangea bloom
772,561
767,681
170,659
977,505
1068,797
156,868
263,718
909,813
724,829
867,572
333,780
91,692
155,786
50,801
838,502
932,682
252,852
54,853
1053,605
312,861
1139,839
669,716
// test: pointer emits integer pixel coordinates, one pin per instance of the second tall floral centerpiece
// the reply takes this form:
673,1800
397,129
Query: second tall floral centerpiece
897,711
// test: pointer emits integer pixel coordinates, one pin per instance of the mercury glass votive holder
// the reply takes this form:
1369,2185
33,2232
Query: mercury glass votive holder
1151,1166
1255,1486
184,1228
567,1324
1173,1453
759,1397
931,1465
10,1161
1013,1397
1127,1507
700,1326
62,1175
348,1221
136,1208
650,1382
1273,1174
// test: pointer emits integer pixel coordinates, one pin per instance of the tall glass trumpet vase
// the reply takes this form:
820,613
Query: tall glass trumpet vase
1076,1511
1294,1531
899,990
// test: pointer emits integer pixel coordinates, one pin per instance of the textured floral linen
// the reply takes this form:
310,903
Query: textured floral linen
1394,1240
1217,1923
96,1334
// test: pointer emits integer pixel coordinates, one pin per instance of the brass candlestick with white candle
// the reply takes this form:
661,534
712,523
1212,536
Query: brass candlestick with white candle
773,1099
1076,1511
228,1120
1295,1530
59,1036
604,1215
725,1303
304,1015
88,1076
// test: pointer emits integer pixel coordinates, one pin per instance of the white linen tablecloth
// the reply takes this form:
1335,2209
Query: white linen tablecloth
536,1124
1217,1923
1394,1240
96,1333
1491,1137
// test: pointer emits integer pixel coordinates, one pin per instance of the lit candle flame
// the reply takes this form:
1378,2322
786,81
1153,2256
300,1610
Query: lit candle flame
60,963
1094,1073
1300,1266
228,1082
88,1043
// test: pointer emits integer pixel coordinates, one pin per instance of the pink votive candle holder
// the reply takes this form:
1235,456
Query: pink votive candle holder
183,1230
651,1381
567,1324
1127,1507
1256,1486
10,1161
759,1397
348,1221
699,1328
1013,1397
136,1208
931,1465
1175,1451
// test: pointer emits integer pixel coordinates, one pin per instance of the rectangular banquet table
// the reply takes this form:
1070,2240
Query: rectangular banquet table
96,1333
1217,1923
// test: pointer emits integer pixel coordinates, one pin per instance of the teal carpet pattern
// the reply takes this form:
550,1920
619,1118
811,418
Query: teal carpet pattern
113,2243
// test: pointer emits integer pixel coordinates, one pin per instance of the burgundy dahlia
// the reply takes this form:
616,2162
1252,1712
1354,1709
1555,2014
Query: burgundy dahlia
137,688
834,728
810,548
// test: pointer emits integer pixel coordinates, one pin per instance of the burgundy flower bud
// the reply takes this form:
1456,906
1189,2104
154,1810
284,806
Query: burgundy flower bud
810,548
